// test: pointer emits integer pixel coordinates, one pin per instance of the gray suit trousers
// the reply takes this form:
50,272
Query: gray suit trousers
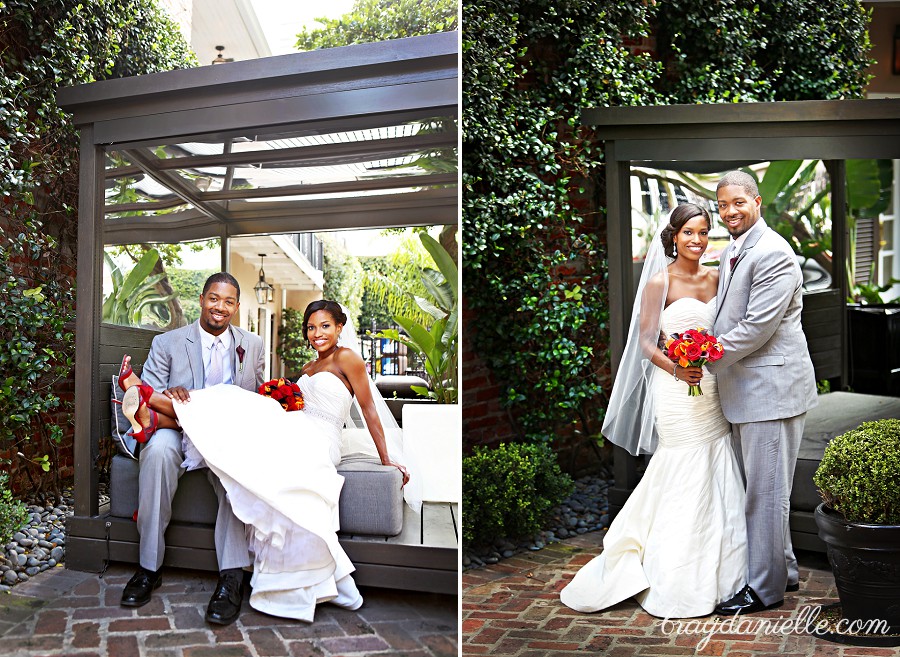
160,470
767,454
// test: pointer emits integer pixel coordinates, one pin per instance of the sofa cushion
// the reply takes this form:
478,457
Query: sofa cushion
371,499
195,501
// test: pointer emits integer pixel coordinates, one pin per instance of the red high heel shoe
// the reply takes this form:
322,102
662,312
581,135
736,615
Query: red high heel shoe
136,397
123,373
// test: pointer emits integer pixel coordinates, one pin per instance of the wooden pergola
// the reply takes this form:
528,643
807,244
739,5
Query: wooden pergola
727,136
324,140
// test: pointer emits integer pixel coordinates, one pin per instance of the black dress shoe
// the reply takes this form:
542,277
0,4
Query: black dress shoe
790,588
140,586
225,604
744,601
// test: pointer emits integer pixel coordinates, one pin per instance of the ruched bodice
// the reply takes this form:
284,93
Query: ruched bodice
326,399
682,420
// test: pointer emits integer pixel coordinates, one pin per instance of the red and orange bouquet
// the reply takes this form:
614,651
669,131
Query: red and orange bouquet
693,348
284,392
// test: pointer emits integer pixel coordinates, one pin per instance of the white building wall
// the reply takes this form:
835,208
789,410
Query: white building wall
181,12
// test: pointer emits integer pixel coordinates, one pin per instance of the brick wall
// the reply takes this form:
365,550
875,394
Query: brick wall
485,421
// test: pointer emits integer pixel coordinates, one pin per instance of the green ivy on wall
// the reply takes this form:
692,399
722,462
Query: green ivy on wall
534,264
533,179
45,45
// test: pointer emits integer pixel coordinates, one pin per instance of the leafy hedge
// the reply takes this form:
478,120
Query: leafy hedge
859,476
509,491
534,181
45,45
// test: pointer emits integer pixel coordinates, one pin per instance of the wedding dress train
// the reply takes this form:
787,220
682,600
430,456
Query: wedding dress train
279,471
679,544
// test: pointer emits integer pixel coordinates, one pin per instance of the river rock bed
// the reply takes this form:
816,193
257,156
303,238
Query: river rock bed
585,510
41,543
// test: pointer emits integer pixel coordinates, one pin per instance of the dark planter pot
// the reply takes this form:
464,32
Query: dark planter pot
875,348
865,560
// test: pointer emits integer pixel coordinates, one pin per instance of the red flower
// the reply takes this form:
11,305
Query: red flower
694,351
694,335
284,392
715,352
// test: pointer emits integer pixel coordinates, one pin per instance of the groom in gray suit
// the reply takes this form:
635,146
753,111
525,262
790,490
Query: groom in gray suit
205,353
766,384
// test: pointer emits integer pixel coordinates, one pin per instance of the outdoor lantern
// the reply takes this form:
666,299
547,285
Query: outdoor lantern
262,288
897,50
219,59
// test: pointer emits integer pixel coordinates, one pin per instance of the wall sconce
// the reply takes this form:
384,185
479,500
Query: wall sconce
262,288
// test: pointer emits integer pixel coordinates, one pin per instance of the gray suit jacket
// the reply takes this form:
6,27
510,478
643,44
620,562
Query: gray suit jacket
766,372
176,359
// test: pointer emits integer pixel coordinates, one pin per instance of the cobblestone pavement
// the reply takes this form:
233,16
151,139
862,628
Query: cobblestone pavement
512,609
62,612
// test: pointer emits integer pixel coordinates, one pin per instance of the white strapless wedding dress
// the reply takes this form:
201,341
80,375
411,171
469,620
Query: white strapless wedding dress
279,471
679,544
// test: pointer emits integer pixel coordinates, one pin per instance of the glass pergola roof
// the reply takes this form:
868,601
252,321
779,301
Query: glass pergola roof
393,159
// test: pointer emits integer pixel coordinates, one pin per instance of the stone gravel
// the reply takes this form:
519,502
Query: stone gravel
40,544
585,510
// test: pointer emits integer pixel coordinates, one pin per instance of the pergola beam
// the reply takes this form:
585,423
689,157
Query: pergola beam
176,184
342,187
309,156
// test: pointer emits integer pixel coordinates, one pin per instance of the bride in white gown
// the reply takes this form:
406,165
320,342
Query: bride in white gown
279,468
678,546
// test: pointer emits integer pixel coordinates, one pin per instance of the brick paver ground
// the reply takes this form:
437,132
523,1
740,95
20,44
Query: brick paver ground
512,609
62,612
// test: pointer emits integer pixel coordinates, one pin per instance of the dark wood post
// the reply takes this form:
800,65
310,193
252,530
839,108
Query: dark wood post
89,286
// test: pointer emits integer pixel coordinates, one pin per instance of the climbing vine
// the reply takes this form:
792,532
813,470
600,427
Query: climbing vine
45,45
534,274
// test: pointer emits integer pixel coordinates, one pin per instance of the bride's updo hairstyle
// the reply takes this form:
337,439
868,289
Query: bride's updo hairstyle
679,217
331,307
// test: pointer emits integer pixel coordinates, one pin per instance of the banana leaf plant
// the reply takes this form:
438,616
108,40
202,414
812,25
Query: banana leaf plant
439,343
134,300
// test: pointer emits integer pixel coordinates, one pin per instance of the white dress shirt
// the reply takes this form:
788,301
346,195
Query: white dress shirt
207,340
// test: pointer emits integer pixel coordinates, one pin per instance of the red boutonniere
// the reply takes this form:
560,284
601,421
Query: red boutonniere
240,352
284,392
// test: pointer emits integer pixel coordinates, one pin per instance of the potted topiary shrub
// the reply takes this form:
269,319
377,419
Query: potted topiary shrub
859,520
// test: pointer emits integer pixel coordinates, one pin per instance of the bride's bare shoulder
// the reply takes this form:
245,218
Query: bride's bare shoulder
657,282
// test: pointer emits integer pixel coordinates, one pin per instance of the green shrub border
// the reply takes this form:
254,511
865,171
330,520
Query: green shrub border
508,491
